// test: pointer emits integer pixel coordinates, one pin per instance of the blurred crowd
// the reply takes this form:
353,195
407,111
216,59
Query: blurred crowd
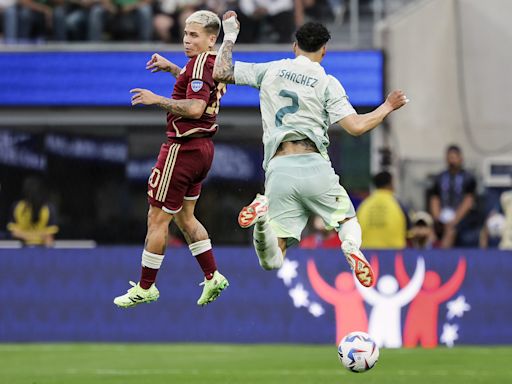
456,215
268,21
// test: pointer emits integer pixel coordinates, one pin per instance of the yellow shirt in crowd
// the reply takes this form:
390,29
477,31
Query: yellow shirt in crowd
383,221
22,221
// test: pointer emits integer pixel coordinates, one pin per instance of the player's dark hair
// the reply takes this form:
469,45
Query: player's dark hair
453,148
213,28
382,179
312,36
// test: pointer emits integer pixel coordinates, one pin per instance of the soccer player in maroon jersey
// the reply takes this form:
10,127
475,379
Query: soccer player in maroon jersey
184,160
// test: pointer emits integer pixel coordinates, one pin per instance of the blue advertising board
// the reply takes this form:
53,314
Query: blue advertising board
421,298
105,78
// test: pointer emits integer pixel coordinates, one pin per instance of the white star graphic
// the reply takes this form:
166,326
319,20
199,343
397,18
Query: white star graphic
316,309
450,334
288,271
299,296
457,307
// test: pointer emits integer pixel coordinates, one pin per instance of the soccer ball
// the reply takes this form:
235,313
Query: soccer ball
358,352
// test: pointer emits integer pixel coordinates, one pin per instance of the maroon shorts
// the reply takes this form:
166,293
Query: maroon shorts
177,175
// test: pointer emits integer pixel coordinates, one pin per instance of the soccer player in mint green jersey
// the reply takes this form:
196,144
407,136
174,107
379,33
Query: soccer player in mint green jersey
298,102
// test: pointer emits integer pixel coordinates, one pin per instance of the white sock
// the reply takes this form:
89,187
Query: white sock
200,247
266,246
152,260
351,231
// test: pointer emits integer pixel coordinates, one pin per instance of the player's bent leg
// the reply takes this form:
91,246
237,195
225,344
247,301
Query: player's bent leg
145,290
201,248
268,247
270,257
350,236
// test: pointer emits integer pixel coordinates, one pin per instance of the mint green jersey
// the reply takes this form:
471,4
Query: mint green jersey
298,100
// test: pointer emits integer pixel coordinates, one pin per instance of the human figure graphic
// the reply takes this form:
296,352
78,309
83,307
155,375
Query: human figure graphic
387,301
349,311
421,320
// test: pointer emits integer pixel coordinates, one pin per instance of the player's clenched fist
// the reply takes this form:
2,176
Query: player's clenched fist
144,96
396,99
231,26
158,63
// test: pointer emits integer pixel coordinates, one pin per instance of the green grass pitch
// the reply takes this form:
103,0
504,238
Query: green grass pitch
243,364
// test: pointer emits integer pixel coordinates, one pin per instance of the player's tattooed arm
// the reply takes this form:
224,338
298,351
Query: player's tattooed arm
174,70
224,70
189,108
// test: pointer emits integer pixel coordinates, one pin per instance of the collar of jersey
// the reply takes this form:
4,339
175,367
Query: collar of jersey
305,59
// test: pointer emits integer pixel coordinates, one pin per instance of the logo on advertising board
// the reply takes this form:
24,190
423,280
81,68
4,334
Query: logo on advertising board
378,310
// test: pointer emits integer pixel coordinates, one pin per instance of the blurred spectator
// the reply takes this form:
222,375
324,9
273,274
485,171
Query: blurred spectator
338,8
277,14
165,19
320,236
492,230
422,234
382,218
506,204
325,10
82,18
38,17
220,6
33,219
9,20
134,20
452,203
126,20
170,16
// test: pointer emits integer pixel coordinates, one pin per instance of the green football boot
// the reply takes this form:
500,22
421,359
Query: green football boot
212,288
136,295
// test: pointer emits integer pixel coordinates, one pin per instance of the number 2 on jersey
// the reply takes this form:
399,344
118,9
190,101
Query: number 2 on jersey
289,109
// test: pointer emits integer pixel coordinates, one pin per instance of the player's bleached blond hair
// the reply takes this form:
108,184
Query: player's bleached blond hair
207,19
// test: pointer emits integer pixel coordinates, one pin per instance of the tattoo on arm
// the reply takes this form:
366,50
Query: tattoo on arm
174,70
182,108
224,70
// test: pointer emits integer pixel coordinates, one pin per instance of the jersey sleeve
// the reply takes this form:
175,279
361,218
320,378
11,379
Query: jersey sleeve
250,73
200,78
336,101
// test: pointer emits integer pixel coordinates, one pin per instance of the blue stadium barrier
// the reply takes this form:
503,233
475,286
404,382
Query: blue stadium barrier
105,78
66,295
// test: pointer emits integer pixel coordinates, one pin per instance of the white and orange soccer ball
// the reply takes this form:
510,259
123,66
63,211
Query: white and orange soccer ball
358,352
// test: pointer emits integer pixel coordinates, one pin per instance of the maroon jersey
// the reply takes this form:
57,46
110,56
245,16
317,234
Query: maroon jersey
196,82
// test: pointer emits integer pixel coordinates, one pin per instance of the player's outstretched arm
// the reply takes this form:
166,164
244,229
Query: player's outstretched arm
159,63
357,125
189,108
224,70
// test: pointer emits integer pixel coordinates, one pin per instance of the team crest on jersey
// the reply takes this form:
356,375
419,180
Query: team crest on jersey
196,85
